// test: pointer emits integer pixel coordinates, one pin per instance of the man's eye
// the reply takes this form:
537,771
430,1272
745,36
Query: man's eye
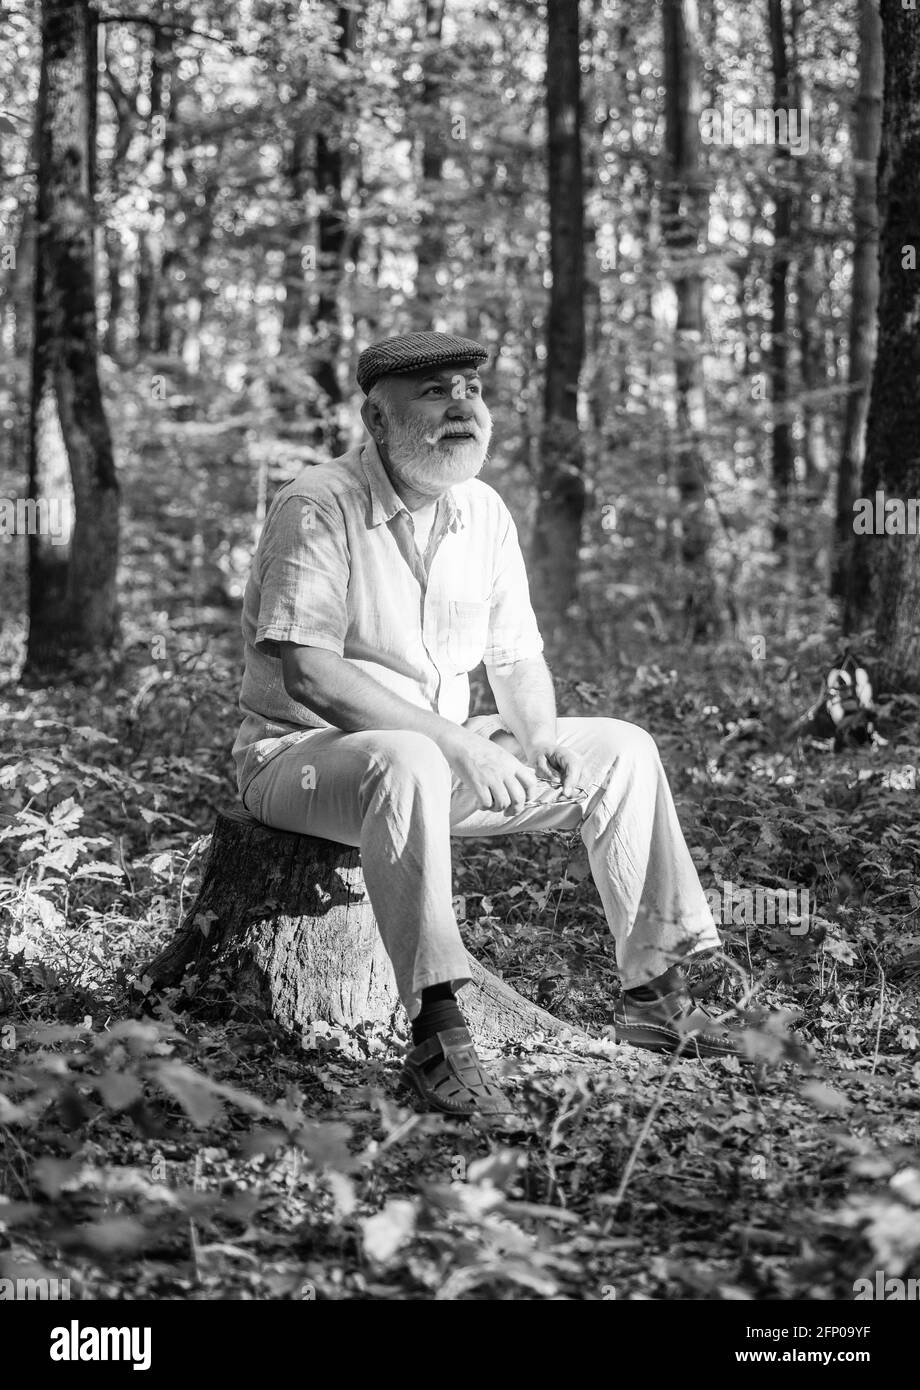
433,388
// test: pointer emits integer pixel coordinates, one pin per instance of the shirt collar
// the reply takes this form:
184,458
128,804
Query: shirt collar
385,500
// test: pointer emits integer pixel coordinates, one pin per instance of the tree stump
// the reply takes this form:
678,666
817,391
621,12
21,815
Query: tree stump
289,917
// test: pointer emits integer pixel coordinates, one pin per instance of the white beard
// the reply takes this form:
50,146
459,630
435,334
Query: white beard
421,462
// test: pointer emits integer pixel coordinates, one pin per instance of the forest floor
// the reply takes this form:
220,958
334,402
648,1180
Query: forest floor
150,1153
168,1156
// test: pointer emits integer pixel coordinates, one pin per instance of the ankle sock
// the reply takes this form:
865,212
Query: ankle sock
671,980
439,1011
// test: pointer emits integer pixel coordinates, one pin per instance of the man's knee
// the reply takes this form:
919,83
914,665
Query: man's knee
408,762
613,739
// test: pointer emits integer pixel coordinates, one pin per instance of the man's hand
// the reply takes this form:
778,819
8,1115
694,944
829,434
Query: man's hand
560,766
499,779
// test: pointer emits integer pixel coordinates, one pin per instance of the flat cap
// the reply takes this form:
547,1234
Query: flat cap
411,352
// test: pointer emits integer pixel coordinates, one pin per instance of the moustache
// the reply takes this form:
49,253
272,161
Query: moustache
468,432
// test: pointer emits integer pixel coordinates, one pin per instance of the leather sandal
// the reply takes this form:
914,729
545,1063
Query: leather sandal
448,1076
662,1024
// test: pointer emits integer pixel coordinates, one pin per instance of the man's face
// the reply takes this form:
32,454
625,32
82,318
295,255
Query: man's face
436,428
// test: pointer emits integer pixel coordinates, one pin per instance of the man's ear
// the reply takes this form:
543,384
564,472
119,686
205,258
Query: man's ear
373,418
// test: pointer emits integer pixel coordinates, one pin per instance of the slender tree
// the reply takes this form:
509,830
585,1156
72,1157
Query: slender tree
71,567
152,325
561,502
431,245
782,457
812,363
124,110
684,219
331,239
867,129
885,574
20,292
299,176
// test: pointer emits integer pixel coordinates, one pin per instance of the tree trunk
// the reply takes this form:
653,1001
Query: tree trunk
115,259
170,255
287,916
430,248
124,110
199,236
684,217
21,287
150,292
72,572
782,458
557,532
299,233
331,237
885,575
811,348
22,301
813,368
864,296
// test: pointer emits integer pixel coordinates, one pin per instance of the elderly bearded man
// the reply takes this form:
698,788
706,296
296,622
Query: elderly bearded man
381,579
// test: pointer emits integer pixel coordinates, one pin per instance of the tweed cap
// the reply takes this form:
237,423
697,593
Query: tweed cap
411,352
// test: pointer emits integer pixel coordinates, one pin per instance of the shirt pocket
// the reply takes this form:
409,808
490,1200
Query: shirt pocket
467,633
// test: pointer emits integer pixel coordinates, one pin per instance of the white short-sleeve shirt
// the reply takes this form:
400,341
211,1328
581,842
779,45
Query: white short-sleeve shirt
336,567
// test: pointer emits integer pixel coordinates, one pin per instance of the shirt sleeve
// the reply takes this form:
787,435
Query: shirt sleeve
513,631
303,575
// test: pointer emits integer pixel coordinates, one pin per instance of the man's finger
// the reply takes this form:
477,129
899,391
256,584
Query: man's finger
529,781
517,794
576,783
567,767
484,795
501,799
550,768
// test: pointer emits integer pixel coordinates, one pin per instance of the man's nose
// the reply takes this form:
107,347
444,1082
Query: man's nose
465,408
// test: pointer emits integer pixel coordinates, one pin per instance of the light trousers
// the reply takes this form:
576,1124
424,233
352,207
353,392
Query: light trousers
392,794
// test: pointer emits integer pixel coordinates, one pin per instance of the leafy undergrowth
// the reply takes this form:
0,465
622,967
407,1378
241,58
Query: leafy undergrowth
166,1155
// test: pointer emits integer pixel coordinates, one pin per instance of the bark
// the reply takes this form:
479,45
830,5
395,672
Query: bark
430,250
125,113
151,328
864,296
813,366
812,359
170,256
22,297
561,505
782,456
288,919
299,176
331,246
21,291
684,209
115,260
71,585
885,575
199,234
